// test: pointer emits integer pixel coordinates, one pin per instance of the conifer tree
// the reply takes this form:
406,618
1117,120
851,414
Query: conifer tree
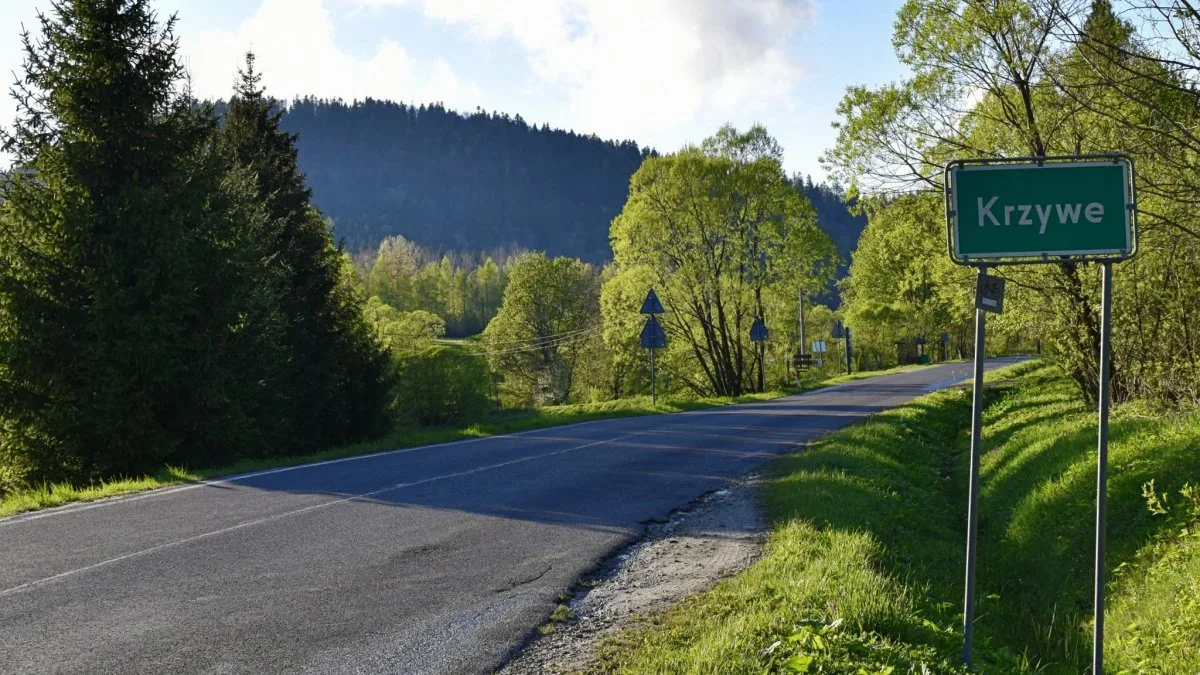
122,291
332,385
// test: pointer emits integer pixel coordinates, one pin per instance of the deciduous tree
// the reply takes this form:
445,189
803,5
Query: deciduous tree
548,316
716,226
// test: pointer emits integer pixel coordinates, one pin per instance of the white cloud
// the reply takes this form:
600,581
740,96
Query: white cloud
662,72
642,67
297,54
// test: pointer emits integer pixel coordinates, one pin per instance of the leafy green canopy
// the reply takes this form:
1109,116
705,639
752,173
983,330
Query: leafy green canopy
463,289
546,324
1031,78
718,230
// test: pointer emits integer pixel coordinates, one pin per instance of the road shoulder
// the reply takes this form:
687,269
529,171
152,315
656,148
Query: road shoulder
713,538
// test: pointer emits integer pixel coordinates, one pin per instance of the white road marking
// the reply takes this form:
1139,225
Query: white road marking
259,521
161,492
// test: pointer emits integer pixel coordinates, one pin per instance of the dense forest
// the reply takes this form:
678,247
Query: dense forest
168,292
838,217
448,181
443,179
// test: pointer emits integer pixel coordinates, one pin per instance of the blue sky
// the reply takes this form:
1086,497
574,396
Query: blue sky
660,72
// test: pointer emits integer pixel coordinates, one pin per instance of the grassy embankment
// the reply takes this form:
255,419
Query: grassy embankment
863,570
498,422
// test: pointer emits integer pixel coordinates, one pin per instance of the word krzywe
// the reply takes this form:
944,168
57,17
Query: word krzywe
1038,214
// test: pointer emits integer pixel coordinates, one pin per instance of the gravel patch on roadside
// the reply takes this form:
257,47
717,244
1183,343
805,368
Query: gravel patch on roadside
714,537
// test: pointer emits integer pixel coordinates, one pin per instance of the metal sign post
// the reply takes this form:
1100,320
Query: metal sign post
1102,465
989,297
758,333
849,352
653,338
1040,210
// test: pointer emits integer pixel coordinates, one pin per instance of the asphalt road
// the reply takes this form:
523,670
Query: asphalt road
425,560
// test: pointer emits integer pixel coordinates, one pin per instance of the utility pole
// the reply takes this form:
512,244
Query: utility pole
803,341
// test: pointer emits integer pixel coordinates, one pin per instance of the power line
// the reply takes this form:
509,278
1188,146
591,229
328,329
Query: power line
561,341
544,338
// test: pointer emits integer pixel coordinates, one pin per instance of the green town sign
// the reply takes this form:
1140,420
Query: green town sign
1003,211
1040,211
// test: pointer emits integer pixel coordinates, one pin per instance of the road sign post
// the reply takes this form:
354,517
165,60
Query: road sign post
849,352
653,337
758,334
1102,467
1040,210
653,380
981,309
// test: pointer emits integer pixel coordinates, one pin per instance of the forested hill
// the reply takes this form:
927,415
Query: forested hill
445,180
468,182
834,217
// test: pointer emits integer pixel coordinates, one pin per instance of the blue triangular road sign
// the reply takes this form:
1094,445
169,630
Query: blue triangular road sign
758,332
653,335
651,305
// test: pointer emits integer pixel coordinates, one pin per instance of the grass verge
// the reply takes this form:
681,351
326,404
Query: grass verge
863,570
499,422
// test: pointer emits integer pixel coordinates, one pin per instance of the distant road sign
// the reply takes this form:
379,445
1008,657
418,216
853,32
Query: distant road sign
1043,210
803,360
839,331
989,293
653,335
818,347
758,331
651,305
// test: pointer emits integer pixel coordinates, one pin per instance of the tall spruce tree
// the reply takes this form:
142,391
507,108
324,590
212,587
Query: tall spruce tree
333,385
124,294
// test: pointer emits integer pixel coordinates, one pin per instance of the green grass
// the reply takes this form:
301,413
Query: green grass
498,422
863,569
1156,618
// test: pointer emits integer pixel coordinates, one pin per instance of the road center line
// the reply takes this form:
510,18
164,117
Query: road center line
162,492
259,521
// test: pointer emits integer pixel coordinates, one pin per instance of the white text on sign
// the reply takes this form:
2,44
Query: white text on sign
1068,214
